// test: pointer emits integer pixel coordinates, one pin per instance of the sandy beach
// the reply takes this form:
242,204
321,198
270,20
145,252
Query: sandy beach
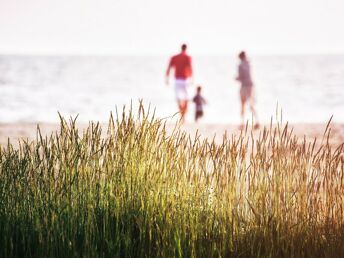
17,131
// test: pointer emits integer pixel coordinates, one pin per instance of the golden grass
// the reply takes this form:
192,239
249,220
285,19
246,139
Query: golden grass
143,192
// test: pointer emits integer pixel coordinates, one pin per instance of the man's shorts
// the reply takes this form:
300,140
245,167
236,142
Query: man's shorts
180,88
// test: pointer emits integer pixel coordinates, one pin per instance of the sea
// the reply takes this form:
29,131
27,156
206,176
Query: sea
297,89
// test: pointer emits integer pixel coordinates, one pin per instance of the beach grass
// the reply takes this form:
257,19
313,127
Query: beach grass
136,190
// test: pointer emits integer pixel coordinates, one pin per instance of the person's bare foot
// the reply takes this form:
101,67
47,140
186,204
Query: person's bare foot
256,126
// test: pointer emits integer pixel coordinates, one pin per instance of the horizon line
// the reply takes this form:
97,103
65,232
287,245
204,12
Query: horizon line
94,54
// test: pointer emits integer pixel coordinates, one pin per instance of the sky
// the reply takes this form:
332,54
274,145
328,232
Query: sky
157,27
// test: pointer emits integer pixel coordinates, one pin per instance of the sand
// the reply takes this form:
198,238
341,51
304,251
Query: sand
17,131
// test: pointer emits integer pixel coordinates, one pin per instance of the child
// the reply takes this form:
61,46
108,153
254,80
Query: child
199,102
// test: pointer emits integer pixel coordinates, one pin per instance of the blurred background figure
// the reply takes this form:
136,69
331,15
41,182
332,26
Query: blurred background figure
199,102
182,66
246,89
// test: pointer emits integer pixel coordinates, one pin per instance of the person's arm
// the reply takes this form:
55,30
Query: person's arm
190,67
170,65
190,70
194,99
239,77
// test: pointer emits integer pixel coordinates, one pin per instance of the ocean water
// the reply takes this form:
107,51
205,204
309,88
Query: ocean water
34,89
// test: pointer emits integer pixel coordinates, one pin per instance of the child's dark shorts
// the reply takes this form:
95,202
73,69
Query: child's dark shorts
199,114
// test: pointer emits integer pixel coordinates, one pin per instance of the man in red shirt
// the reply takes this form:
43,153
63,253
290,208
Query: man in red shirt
182,66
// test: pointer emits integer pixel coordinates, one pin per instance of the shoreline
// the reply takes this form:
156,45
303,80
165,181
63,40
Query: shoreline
310,131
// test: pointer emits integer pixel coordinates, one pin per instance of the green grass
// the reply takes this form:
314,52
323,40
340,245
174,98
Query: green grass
138,191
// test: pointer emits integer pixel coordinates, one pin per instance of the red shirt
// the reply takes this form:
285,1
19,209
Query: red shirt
182,66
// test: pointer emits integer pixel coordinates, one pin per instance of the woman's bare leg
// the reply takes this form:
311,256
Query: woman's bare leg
242,114
254,113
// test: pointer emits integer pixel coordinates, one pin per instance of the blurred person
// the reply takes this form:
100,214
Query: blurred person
181,63
199,102
246,89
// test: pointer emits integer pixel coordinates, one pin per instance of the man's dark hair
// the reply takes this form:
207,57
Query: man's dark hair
242,55
184,47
